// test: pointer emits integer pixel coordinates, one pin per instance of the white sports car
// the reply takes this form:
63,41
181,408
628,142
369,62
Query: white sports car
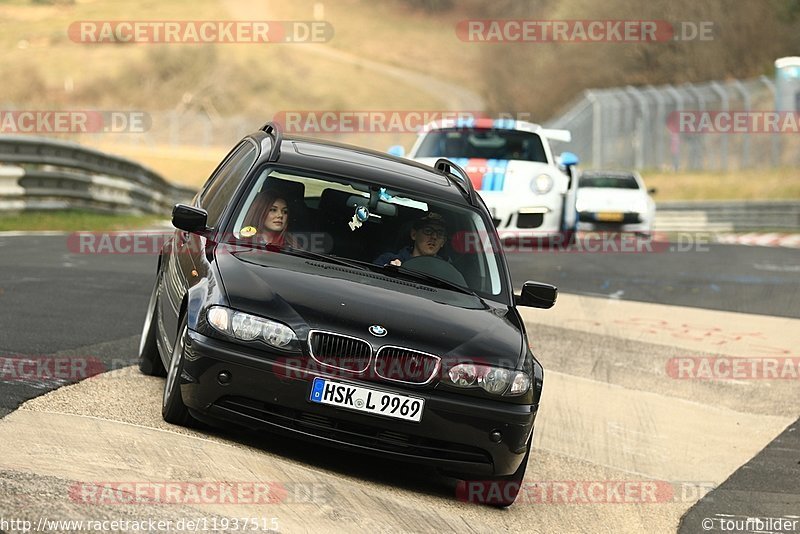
614,201
512,168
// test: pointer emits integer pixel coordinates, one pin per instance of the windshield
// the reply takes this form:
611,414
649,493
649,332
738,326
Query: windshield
351,223
482,143
616,182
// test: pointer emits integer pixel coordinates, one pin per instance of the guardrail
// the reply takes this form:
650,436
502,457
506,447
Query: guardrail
46,174
728,216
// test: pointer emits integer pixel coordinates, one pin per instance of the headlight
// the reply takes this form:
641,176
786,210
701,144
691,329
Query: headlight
542,184
494,380
248,327
463,375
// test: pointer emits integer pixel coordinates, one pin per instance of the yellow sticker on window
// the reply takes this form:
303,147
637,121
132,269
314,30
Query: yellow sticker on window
248,231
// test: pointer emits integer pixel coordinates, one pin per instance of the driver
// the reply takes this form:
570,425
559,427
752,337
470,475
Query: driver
429,234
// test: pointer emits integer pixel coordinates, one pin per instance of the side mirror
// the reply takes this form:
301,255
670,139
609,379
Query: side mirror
568,159
652,190
397,150
189,218
536,295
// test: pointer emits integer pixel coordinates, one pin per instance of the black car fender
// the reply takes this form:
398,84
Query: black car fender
204,293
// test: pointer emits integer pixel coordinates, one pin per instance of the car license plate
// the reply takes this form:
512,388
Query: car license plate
610,216
361,399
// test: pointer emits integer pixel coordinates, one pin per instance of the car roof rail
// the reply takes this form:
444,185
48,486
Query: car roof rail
273,130
459,177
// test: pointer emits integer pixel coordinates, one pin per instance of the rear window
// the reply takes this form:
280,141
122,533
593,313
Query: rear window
482,143
615,182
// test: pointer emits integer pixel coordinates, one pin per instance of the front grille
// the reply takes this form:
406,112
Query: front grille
342,352
404,365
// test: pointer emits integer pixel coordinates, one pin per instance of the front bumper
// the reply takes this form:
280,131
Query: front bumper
630,222
539,217
265,393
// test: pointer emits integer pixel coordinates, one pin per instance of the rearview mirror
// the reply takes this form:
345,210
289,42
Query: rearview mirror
189,218
536,295
383,208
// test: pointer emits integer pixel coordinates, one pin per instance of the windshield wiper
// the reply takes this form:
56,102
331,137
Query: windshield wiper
432,280
329,258
419,275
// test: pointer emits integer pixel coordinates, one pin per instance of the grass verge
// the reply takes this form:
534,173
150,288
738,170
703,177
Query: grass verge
749,184
74,221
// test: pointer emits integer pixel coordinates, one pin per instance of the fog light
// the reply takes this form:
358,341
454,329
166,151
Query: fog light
496,437
224,378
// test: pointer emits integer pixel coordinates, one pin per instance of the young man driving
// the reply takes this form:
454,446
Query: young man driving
429,234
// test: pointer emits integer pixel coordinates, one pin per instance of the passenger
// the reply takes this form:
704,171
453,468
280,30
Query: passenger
271,223
429,234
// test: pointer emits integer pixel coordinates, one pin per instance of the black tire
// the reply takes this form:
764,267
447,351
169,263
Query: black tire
173,410
150,362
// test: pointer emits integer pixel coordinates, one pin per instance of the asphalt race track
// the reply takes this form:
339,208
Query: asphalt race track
630,436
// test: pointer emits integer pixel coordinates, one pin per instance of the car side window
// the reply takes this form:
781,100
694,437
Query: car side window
219,191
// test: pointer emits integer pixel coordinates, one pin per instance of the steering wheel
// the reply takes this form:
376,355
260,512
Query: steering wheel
436,266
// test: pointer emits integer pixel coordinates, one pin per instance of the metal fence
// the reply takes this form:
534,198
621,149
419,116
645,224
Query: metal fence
636,127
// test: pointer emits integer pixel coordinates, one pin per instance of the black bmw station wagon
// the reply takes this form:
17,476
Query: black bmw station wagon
349,297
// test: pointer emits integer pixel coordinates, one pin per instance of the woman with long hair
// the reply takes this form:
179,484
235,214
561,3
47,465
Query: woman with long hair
270,220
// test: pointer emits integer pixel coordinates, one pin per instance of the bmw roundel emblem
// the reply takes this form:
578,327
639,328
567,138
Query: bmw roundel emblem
377,330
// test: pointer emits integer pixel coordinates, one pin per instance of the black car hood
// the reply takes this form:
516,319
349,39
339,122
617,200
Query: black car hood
307,294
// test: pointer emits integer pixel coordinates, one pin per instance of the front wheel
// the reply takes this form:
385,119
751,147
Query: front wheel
173,410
